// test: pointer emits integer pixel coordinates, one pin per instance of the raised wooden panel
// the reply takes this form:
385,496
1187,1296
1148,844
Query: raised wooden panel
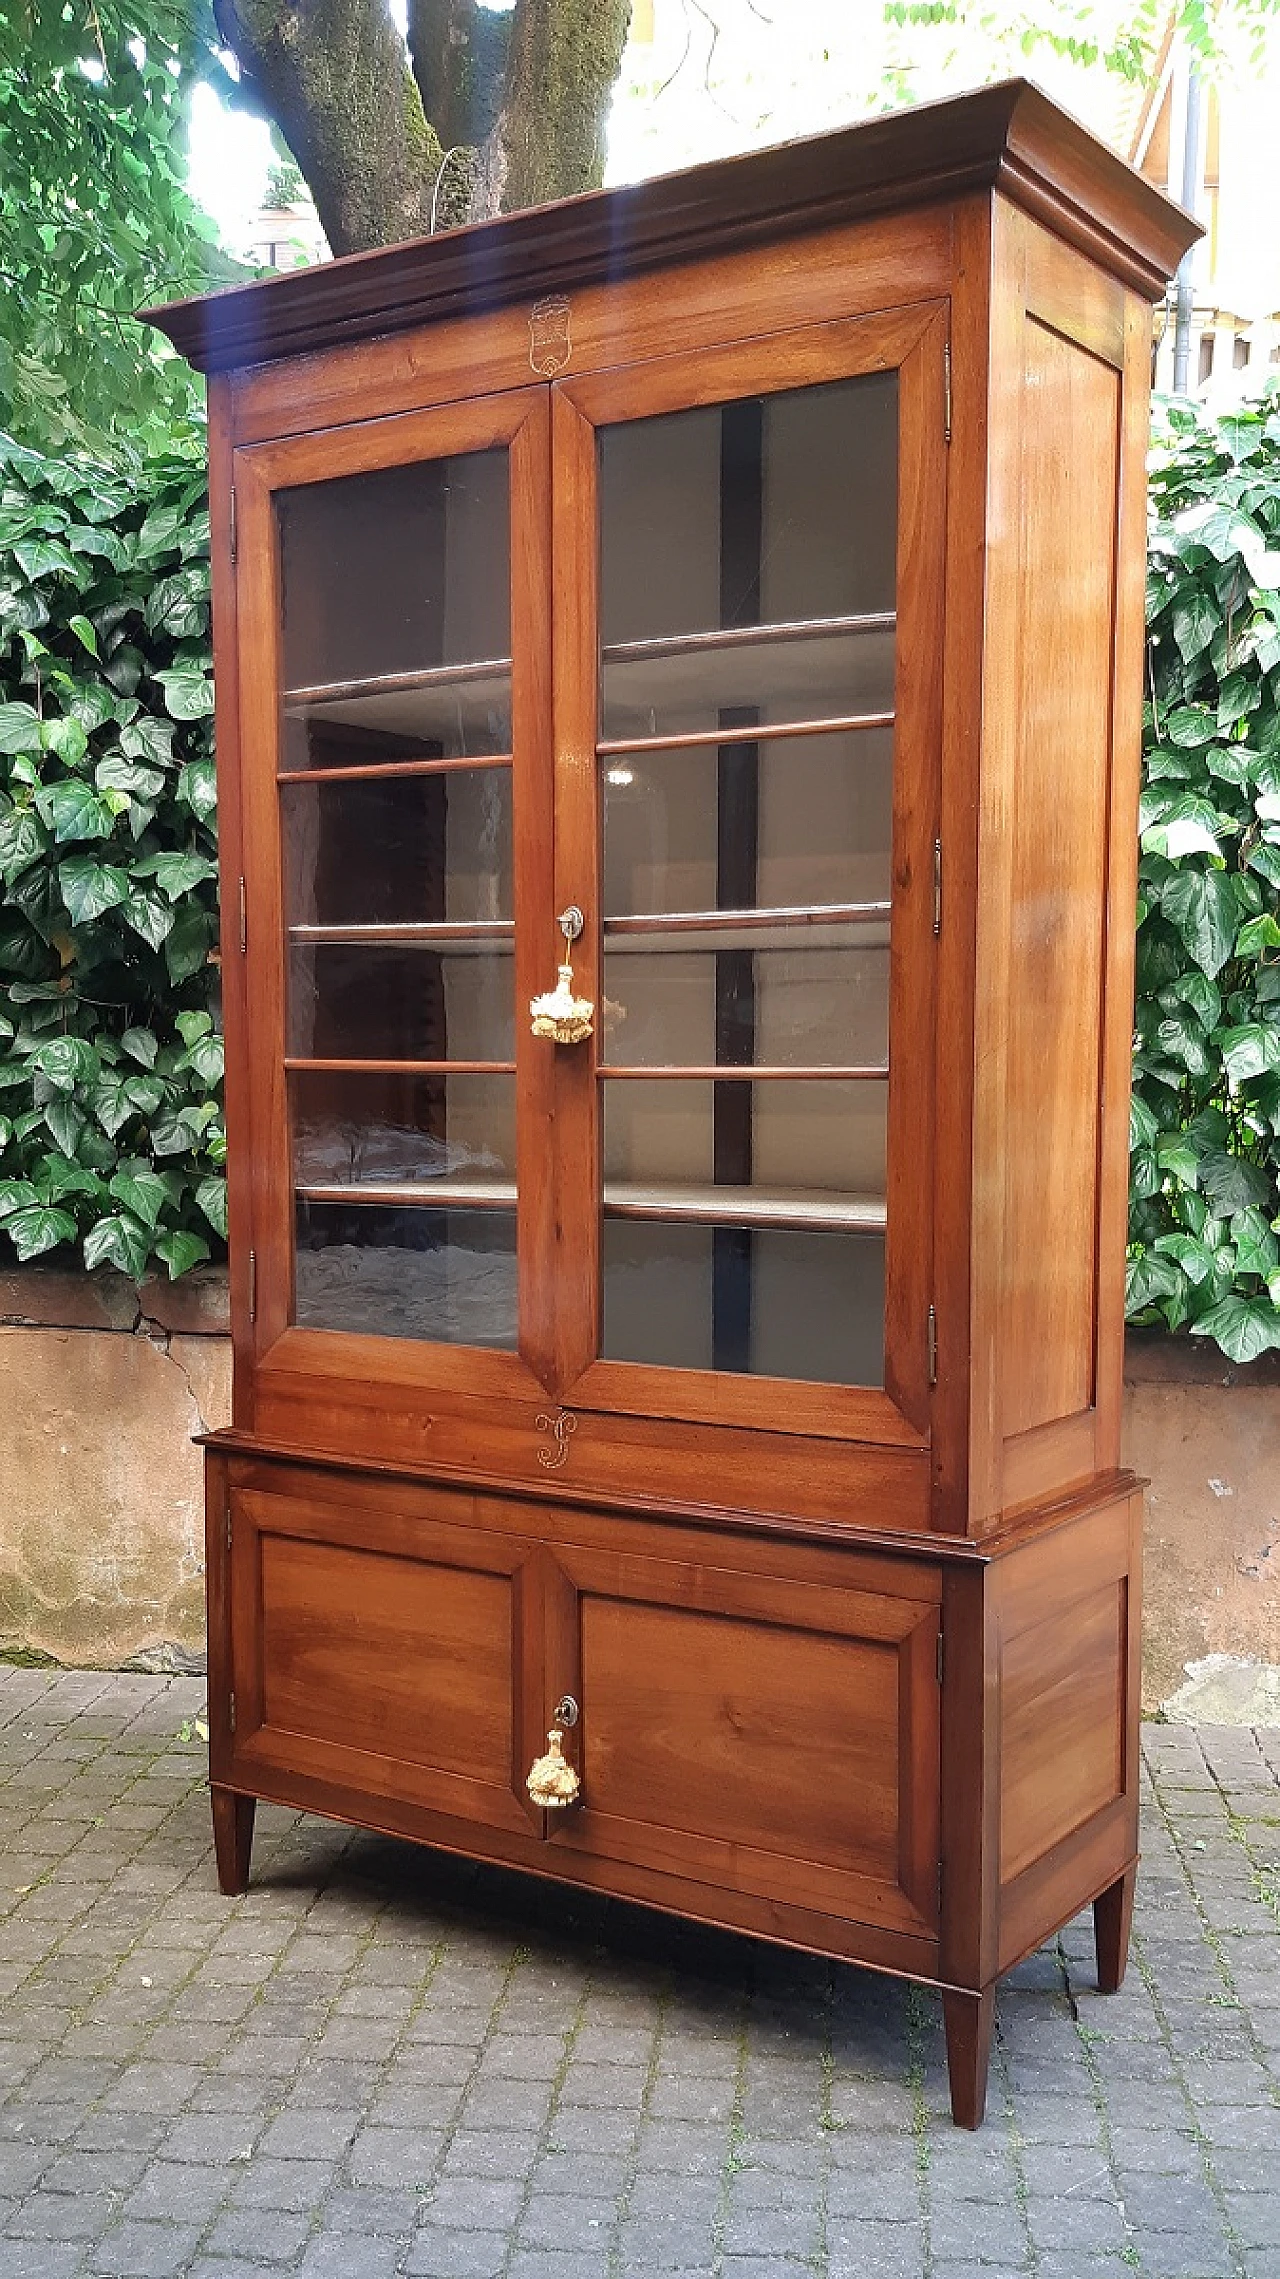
1062,1690
767,1736
404,1656
1062,692
376,1651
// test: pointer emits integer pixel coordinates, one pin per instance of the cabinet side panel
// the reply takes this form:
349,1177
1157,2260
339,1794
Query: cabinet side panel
1060,792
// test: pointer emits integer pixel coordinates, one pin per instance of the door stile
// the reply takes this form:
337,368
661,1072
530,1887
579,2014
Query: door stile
533,884
266,1144
578,880
914,945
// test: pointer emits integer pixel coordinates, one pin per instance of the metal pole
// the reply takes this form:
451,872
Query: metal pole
1190,199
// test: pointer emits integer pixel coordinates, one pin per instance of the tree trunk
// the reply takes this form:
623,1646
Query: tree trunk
549,139
521,97
335,77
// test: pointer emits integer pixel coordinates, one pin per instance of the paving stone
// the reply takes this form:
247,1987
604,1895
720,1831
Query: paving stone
352,2071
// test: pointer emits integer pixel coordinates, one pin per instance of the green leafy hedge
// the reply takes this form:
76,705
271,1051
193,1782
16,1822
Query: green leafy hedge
111,1134
1206,1109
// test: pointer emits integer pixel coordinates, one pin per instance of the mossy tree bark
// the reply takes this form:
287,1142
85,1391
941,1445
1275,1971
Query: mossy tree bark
520,98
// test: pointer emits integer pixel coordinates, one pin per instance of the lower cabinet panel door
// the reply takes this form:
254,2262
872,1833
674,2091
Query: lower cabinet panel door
383,1654
772,1737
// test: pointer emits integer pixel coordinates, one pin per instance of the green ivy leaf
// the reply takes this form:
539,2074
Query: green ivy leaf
141,1045
1256,1248
188,692
115,773
74,811
64,1122
89,887
187,948
23,840
1245,1328
211,1195
148,916
198,788
1231,1184
180,1250
34,1231
84,633
1251,1049
1201,905
142,1192
176,874
66,1062
118,1241
15,1195
147,738
19,728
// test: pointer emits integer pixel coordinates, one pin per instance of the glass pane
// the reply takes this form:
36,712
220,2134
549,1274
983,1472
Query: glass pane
772,521
820,1002
401,1001
398,850
396,571
763,1302
822,811
387,1271
390,1131
815,1148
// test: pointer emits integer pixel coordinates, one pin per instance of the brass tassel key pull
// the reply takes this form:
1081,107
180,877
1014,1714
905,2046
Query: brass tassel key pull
552,1782
559,1015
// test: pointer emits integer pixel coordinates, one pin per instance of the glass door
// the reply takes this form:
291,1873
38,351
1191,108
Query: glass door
398,770
756,826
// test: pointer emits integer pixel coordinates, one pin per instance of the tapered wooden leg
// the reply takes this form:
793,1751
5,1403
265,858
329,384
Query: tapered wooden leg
969,2019
1112,1917
232,1837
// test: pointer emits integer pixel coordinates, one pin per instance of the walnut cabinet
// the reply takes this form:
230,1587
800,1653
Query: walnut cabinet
714,607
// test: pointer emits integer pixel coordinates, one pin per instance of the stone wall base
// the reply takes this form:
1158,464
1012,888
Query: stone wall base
101,1492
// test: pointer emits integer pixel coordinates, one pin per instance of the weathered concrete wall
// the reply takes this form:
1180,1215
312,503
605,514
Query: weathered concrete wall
101,1490
101,1519
1207,1436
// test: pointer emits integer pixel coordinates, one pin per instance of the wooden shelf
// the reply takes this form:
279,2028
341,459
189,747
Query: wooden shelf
706,931
437,700
701,1204
838,668
477,934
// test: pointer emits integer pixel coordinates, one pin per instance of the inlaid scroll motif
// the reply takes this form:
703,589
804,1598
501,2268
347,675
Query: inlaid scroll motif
562,1427
549,344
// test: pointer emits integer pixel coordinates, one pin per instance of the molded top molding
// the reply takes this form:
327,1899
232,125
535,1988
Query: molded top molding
1009,138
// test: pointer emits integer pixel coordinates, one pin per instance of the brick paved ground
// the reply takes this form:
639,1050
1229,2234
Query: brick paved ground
380,2062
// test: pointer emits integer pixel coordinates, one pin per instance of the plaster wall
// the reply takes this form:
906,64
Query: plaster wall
101,1490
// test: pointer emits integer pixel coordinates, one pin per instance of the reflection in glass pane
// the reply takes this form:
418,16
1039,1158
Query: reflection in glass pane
758,519
823,1002
382,1130
818,1144
453,715
415,849
401,1001
449,1276
677,690
764,1302
823,814
395,571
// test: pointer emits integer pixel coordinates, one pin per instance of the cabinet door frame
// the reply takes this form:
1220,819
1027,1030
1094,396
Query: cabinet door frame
260,1157
912,341
904,1620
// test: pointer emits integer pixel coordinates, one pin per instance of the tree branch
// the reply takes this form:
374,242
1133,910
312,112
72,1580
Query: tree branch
459,54
335,76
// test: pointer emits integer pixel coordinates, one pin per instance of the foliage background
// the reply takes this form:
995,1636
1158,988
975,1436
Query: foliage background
1205,1193
111,1133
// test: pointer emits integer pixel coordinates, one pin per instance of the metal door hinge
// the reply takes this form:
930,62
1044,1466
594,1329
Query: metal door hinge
228,1527
933,1345
231,1711
940,1657
231,523
946,385
244,920
937,886
253,1285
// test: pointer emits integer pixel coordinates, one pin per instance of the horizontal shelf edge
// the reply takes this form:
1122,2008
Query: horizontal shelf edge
746,636
765,732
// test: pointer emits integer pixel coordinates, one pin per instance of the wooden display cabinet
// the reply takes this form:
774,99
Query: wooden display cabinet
753,561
